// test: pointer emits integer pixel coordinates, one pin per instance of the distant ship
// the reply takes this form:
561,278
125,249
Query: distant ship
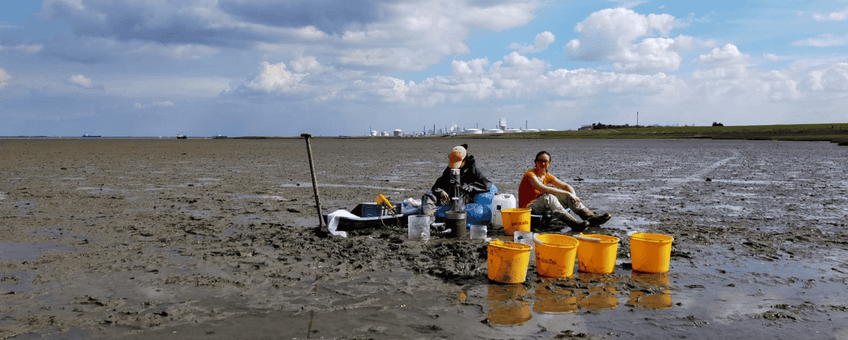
219,137
181,136
89,136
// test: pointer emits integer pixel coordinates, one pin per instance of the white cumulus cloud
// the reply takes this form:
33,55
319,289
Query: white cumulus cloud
273,77
542,41
834,78
727,54
5,78
728,74
630,40
82,81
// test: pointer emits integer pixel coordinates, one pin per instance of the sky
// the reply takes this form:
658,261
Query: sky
345,68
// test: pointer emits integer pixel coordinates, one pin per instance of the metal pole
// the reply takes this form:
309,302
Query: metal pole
306,136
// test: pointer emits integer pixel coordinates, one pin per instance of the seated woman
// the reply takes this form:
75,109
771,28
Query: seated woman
543,193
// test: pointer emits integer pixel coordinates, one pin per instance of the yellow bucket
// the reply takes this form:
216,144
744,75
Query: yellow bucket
508,261
596,253
516,219
555,258
650,252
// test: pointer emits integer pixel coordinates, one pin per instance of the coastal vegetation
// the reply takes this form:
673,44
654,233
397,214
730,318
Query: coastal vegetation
835,133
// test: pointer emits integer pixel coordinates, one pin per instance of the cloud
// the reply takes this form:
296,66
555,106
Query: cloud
630,40
186,51
166,103
83,82
824,40
332,17
832,16
5,78
34,48
380,34
274,78
729,75
6,24
542,41
832,79
727,55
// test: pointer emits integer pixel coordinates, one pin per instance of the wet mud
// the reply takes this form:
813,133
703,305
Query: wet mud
215,239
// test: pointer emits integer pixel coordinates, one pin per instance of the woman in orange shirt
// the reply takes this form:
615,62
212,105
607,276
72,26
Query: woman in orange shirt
544,193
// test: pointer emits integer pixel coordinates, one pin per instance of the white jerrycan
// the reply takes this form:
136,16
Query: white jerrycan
501,202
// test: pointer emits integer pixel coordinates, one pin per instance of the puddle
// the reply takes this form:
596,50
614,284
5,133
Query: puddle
28,251
2,195
208,179
16,282
250,218
95,189
199,213
25,204
355,186
269,197
59,233
625,223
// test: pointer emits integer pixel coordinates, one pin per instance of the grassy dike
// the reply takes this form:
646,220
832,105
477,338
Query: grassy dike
835,133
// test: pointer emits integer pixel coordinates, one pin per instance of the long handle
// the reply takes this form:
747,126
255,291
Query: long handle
314,180
588,239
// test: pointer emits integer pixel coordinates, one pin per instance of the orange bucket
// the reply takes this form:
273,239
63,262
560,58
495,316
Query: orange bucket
508,261
596,253
555,255
650,253
516,219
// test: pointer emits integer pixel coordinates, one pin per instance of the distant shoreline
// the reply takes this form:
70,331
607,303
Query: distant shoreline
834,133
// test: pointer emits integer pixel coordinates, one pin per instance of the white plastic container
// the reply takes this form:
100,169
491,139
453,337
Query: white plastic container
501,202
478,232
419,227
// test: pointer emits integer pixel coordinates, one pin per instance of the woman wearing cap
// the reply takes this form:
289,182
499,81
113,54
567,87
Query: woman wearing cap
472,181
544,193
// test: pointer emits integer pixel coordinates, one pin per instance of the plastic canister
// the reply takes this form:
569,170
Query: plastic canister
501,202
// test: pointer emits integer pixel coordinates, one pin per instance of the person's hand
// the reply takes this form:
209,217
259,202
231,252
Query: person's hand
465,188
443,195
576,200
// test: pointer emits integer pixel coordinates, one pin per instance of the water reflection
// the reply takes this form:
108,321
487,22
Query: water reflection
506,306
600,292
510,305
652,295
551,297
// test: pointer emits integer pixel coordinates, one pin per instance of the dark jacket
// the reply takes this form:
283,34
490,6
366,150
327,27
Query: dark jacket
471,179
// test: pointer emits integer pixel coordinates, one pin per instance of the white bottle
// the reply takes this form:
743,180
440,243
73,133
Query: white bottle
501,202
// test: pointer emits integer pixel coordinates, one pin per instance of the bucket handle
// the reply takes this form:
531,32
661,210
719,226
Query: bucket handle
589,239
536,239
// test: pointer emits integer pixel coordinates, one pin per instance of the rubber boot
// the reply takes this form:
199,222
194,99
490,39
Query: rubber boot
570,221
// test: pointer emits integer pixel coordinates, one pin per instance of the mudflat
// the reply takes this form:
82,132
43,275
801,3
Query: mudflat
215,239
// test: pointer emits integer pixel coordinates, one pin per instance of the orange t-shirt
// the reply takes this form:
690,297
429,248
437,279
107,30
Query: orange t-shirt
526,192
